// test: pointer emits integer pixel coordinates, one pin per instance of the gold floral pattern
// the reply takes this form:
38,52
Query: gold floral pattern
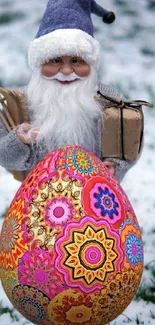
72,308
91,252
51,206
94,254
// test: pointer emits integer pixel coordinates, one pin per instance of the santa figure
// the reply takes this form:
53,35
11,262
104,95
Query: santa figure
61,95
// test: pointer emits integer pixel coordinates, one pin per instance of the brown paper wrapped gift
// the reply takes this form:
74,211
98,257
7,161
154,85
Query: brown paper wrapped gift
123,129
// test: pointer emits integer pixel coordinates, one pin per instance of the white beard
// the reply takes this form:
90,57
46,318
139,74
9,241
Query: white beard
65,114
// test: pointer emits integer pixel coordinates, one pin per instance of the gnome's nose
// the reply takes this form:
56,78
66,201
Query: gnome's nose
66,70
107,16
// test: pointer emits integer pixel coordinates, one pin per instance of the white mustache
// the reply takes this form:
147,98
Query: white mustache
61,77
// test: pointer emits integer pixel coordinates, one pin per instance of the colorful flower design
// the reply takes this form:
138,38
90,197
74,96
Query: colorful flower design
64,192
100,307
79,161
91,251
10,234
82,162
12,245
36,268
134,249
59,210
105,201
101,200
71,248
54,204
32,304
72,307
132,246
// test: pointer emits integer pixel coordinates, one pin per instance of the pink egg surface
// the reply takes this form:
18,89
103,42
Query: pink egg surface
71,251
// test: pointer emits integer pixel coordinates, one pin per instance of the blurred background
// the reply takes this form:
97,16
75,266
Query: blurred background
128,64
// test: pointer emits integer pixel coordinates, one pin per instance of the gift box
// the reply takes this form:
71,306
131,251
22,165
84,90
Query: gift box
123,128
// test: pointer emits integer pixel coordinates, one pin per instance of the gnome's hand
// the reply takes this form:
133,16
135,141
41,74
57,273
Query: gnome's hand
26,134
111,166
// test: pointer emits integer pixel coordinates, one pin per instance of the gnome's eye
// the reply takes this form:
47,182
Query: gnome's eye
56,60
75,60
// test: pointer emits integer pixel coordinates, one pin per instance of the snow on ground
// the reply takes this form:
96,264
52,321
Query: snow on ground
128,63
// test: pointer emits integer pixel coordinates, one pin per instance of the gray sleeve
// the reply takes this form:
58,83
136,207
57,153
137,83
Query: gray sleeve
122,166
13,153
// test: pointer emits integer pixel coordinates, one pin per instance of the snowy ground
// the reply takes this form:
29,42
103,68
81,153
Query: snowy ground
128,63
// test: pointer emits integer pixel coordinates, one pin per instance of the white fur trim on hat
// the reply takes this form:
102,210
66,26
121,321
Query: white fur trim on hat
64,42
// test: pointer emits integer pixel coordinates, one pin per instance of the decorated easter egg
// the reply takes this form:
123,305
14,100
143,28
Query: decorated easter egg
71,249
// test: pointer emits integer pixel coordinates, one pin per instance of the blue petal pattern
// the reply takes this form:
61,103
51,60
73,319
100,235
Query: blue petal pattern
134,249
106,202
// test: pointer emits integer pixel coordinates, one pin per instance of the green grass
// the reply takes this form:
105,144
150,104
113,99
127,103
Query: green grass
7,18
152,314
13,314
5,310
138,321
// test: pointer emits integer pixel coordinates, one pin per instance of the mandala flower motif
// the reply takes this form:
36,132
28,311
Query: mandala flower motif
32,304
9,234
36,268
133,246
82,162
59,210
100,199
134,249
66,194
72,307
55,203
12,245
105,201
92,250
79,161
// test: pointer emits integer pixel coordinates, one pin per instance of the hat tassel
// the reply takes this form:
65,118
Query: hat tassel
107,16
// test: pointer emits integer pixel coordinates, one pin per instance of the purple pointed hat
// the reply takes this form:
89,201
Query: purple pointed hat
67,29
